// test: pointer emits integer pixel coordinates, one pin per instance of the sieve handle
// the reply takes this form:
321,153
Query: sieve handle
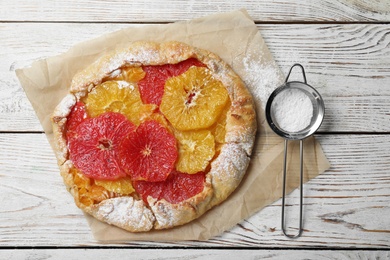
303,72
300,189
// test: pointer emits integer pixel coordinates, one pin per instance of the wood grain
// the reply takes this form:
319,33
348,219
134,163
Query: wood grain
166,11
344,46
46,254
344,207
348,64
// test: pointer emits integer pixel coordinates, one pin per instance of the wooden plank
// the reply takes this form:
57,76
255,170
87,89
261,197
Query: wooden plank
21,45
166,11
348,64
344,207
188,254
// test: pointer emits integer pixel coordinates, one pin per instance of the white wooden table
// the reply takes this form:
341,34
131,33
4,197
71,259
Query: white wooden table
345,48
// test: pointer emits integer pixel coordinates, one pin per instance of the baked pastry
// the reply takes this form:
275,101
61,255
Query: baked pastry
154,135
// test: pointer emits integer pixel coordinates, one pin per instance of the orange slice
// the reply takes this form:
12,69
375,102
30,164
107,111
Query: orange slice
120,97
152,85
193,100
219,128
160,118
121,186
196,149
130,74
88,193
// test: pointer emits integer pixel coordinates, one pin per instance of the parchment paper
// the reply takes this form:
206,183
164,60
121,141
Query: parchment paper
236,39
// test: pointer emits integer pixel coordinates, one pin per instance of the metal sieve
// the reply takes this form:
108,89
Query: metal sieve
315,122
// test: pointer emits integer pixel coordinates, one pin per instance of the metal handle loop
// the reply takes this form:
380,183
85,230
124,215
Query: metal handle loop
303,72
300,188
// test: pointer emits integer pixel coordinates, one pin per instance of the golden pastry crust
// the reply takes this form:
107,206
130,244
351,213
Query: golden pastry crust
226,170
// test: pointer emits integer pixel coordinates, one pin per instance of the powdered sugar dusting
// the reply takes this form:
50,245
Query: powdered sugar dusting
115,73
124,84
231,161
261,78
64,107
143,55
227,171
127,213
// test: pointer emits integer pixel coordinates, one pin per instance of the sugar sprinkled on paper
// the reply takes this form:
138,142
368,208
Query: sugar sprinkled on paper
292,110
261,77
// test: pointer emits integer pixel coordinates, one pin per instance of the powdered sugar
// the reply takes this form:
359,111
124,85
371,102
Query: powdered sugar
124,84
261,78
127,213
115,73
64,107
292,110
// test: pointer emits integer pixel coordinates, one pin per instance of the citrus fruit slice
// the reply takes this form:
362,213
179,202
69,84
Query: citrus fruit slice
77,115
149,153
152,85
120,97
193,100
83,184
93,147
131,74
219,127
121,186
181,67
196,149
178,187
160,118
98,193
88,193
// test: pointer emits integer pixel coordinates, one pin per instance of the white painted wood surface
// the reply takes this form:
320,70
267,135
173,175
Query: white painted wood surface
344,46
161,254
173,10
344,207
348,64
